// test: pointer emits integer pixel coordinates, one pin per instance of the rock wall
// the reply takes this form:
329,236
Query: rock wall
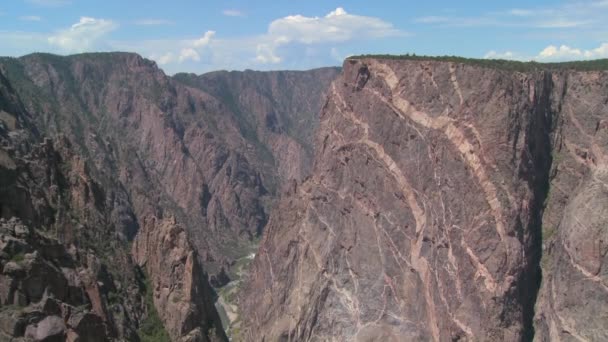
573,302
423,218
107,154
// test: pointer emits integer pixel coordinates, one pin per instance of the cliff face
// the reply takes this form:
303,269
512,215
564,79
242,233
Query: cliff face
157,180
445,201
278,108
173,148
65,228
424,216
190,151
573,302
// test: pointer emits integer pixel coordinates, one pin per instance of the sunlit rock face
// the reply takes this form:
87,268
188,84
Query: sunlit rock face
424,215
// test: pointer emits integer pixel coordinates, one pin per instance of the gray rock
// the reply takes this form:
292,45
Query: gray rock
51,327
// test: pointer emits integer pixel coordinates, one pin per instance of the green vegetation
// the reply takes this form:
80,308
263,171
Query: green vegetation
598,64
151,329
548,234
113,297
18,258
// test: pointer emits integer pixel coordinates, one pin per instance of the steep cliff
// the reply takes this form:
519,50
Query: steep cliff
424,216
66,226
277,113
279,109
177,148
573,302
159,181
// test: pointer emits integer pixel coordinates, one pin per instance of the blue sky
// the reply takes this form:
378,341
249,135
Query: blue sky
200,36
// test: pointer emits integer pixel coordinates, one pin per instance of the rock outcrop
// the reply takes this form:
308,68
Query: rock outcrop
68,272
423,218
44,288
181,291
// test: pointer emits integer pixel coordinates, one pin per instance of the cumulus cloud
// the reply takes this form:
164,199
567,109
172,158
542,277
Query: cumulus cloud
189,54
553,53
83,35
204,40
289,41
164,59
233,13
180,51
336,27
565,52
265,54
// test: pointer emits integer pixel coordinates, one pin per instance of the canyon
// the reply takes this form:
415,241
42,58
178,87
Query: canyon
151,187
392,199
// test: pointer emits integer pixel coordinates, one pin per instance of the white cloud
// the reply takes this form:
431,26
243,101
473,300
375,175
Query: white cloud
153,22
189,54
204,40
336,26
83,35
565,52
291,42
500,55
164,59
30,18
233,13
553,53
599,52
265,54
179,51
49,3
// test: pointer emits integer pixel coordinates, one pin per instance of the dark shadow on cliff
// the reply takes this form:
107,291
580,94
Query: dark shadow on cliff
536,171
